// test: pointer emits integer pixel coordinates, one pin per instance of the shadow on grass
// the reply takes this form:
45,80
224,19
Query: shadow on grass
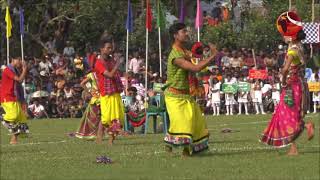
246,152
234,141
20,150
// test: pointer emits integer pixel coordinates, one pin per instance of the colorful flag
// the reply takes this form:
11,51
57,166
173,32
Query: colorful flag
199,18
312,31
8,21
148,17
21,21
161,21
181,18
129,23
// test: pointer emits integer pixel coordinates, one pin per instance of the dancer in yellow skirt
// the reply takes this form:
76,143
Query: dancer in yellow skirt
12,97
187,124
110,87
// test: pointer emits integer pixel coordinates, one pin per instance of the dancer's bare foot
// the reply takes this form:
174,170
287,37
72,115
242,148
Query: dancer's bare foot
292,153
293,150
14,139
124,133
310,130
99,140
185,152
100,134
168,149
111,139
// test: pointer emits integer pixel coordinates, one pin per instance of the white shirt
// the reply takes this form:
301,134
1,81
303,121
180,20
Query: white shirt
50,46
36,109
44,66
135,65
226,61
69,51
266,88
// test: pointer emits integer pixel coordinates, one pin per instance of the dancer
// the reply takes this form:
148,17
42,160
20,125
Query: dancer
187,124
90,120
12,98
110,87
287,122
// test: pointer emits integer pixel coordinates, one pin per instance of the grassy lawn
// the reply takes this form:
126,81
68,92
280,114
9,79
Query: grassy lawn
50,154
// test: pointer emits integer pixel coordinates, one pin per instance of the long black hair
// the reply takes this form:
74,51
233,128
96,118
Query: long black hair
175,28
301,35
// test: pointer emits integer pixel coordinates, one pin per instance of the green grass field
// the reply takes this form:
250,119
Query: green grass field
50,154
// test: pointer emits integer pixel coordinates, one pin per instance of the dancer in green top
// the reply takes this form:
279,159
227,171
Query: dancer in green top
188,128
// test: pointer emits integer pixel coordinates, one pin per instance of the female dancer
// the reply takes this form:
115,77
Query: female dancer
91,118
287,122
187,125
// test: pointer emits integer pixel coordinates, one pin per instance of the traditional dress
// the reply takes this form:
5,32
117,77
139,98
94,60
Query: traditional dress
187,124
287,121
136,113
91,117
112,108
12,98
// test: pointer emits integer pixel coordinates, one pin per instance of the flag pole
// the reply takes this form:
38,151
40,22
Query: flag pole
8,51
7,34
127,60
198,34
312,19
146,75
22,51
21,41
254,58
160,56
290,5
22,57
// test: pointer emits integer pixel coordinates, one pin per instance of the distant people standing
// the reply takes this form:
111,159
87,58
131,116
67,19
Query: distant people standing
217,12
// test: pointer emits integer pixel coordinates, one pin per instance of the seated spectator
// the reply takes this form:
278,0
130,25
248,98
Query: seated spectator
36,110
53,112
45,65
78,65
68,91
135,109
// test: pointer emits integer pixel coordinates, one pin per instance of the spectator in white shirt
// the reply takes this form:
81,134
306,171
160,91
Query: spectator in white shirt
37,110
50,45
135,64
69,51
45,65
225,60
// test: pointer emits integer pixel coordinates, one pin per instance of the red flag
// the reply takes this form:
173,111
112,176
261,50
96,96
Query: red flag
148,17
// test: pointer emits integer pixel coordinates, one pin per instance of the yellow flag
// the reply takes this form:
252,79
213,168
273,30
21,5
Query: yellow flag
8,21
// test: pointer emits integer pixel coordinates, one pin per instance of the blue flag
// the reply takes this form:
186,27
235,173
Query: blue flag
21,21
129,23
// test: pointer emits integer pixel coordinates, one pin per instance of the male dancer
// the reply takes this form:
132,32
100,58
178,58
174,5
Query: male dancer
12,96
110,86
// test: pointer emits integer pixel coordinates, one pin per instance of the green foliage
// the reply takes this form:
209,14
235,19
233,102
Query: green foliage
258,31
88,19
